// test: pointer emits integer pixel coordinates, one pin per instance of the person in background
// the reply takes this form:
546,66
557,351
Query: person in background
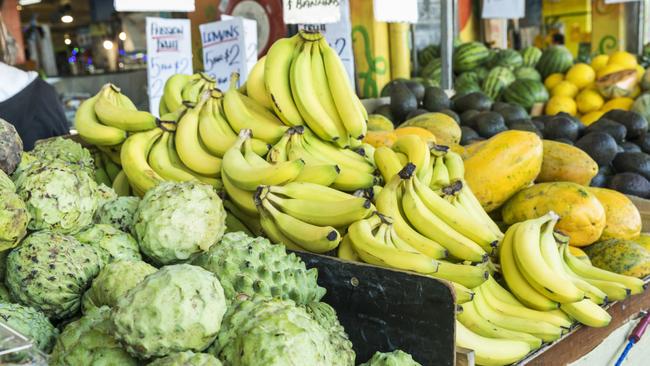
27,101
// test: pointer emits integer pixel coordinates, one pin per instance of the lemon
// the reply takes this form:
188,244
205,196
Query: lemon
610,69
618,103
591,117
581,75
599,62
564,88
559,104
552,80
624,59
589,101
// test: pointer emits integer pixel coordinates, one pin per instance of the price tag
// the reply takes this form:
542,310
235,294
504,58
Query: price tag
311,11
250,40
169,52
396,11
154,5
224,50
504,9
339,36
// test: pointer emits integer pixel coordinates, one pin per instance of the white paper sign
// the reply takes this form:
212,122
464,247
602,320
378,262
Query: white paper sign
250,40
311,11
169,52
396,11
154,5
339,36
224,50
503,9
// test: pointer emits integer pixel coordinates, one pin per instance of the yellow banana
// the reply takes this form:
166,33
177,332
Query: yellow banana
471,204
588,313
255,87
387,162
277,69
111,111
309,191
272,231
189,146
346,250
462,294
172,97
93,131
466,275
121,184
455,166
439,174
177,163
251,222
324,174
345,158
278,152
242,199
491,351
161,163
417,151
198,84
134,160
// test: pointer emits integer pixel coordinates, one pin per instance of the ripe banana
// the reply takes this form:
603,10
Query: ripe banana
93,131
387,162
491,351
310,191
177,163
323,174
470,203
251,222
416,150
198,84
466,275
588,313
121,184
455,166
440,174
346,250
112,110
255,87
271,231
462,293
134,160
190,148
343,157
276,78
172,92
278,152
161,163
242,199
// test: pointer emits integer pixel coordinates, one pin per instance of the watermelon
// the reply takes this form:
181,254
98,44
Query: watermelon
469,56
527,72
467,77
525,93
555,59
507,58
432,70
497,79
642,105
427,54
531,55
464,87
481,72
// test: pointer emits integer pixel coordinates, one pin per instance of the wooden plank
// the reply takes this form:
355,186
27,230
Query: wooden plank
464,357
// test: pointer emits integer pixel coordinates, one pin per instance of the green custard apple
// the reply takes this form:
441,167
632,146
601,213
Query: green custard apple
113,243
395,358
26,161
3,264
11,147
5,297
32,324
325,315
187,358
118,213
65,150
105,194
6,184
14,219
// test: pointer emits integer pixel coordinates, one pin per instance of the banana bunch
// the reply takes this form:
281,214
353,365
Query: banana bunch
308,216
182,88
304,82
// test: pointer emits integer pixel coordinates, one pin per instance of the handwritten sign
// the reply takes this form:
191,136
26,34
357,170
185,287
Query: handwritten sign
250,40
311,11
393,11
169,52
339,36
224,50
154,5
504,9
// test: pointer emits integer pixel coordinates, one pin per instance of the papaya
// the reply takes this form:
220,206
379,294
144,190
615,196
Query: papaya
622,218
580,254
377,122
425,134
644,241
625,257
503,165
566,163
582,216
380,138
445,128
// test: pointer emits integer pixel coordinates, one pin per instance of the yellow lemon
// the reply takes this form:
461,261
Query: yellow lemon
581,75
589,101
552,80
599,62
640,71
559,104
624,59
565,88
618,103
591,117
610,69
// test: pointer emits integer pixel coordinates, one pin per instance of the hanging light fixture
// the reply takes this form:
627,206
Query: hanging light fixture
66,13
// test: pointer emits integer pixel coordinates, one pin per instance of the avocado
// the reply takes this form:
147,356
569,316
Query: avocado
384,110
416,113
498,105
467,117
561,127
630,183
635,123
608,170
435,99
599,145
385,91
566,141
489,124
576,120
630,147
451,114
619,149
416,88
402,101
613,128
539,124
511,112
475,100
600,180
524,125
643,142
468,135
633,162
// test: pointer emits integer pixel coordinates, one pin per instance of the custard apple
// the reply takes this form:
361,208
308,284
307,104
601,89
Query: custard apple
178,308
177,221
66,150
50,272
271,332
325,315
254,266
113,281
14,219
26,161
58,197
31,323
4,294
114,244
88,341
118,213
11,147
3,264
395,358
6,184
187,358
105,194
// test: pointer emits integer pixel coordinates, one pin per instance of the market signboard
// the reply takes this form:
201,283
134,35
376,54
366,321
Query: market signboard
154,5
169,52
503,9
311,11
224,50
391,11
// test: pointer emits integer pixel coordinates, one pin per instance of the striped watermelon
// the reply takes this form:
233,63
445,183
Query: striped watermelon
497,79
432,70
525,93
531,56
507,58
555,59
427,54
481,72
469,56
527,72
466,88
467,77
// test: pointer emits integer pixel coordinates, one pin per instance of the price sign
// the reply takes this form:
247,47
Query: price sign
339,36
250,40
154,5
224,50
311,11
169,52
394,11
504,9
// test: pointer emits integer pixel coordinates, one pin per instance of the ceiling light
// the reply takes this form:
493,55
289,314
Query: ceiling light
122,36
67,18
28,2
67,41
108,44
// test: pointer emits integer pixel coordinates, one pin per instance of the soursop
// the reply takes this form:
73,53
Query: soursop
11,147
395,358
14,219
187,358
119,213
50,272
113,281
114,244
105,194
325,315
178,308
177,221
65,150
6,184
32,324
58,197
271,332
254,266
89,341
